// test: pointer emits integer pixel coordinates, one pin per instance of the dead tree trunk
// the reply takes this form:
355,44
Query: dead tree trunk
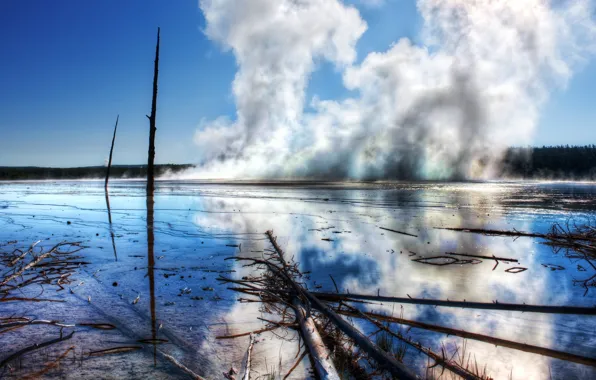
111,152
313,341
152,128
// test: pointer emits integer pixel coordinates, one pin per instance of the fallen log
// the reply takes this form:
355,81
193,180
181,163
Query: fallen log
482,338
578,310
323,366
383,359
313,341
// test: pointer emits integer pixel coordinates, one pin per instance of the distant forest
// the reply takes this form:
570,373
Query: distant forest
90,172
547,162
551,162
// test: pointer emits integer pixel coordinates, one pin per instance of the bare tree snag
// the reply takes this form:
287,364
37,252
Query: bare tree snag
111,152
152,128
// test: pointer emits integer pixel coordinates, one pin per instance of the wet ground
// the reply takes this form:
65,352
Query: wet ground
152,269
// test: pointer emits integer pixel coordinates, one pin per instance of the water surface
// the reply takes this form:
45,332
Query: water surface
168,253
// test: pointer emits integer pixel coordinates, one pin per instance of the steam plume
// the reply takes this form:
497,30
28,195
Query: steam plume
445,109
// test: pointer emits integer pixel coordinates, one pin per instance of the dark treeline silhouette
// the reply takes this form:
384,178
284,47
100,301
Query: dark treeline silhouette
89,172
551,162
547,162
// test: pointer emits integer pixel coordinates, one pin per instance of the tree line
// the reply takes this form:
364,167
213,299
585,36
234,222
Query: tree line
551,162
90,172
562,162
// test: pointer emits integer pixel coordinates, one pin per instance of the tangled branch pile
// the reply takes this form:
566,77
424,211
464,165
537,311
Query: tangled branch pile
337,348
23,269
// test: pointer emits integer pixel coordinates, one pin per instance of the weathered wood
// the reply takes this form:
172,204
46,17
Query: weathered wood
462,304
22,256
111,152
248,358
313,341
152,127
482,338
383,359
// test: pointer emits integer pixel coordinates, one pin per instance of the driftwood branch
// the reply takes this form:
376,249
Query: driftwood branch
22,256
248,358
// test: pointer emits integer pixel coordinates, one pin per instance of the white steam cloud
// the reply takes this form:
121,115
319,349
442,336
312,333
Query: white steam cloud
446,109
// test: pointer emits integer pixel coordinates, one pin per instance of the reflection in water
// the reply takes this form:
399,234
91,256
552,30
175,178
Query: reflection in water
343,238
151,273
111,225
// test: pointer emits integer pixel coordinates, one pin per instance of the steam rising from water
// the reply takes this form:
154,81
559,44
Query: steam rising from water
446,109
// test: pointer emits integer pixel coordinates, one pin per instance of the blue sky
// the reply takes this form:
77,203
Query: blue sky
69,67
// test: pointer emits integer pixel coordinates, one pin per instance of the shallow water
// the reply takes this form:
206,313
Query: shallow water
196,225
